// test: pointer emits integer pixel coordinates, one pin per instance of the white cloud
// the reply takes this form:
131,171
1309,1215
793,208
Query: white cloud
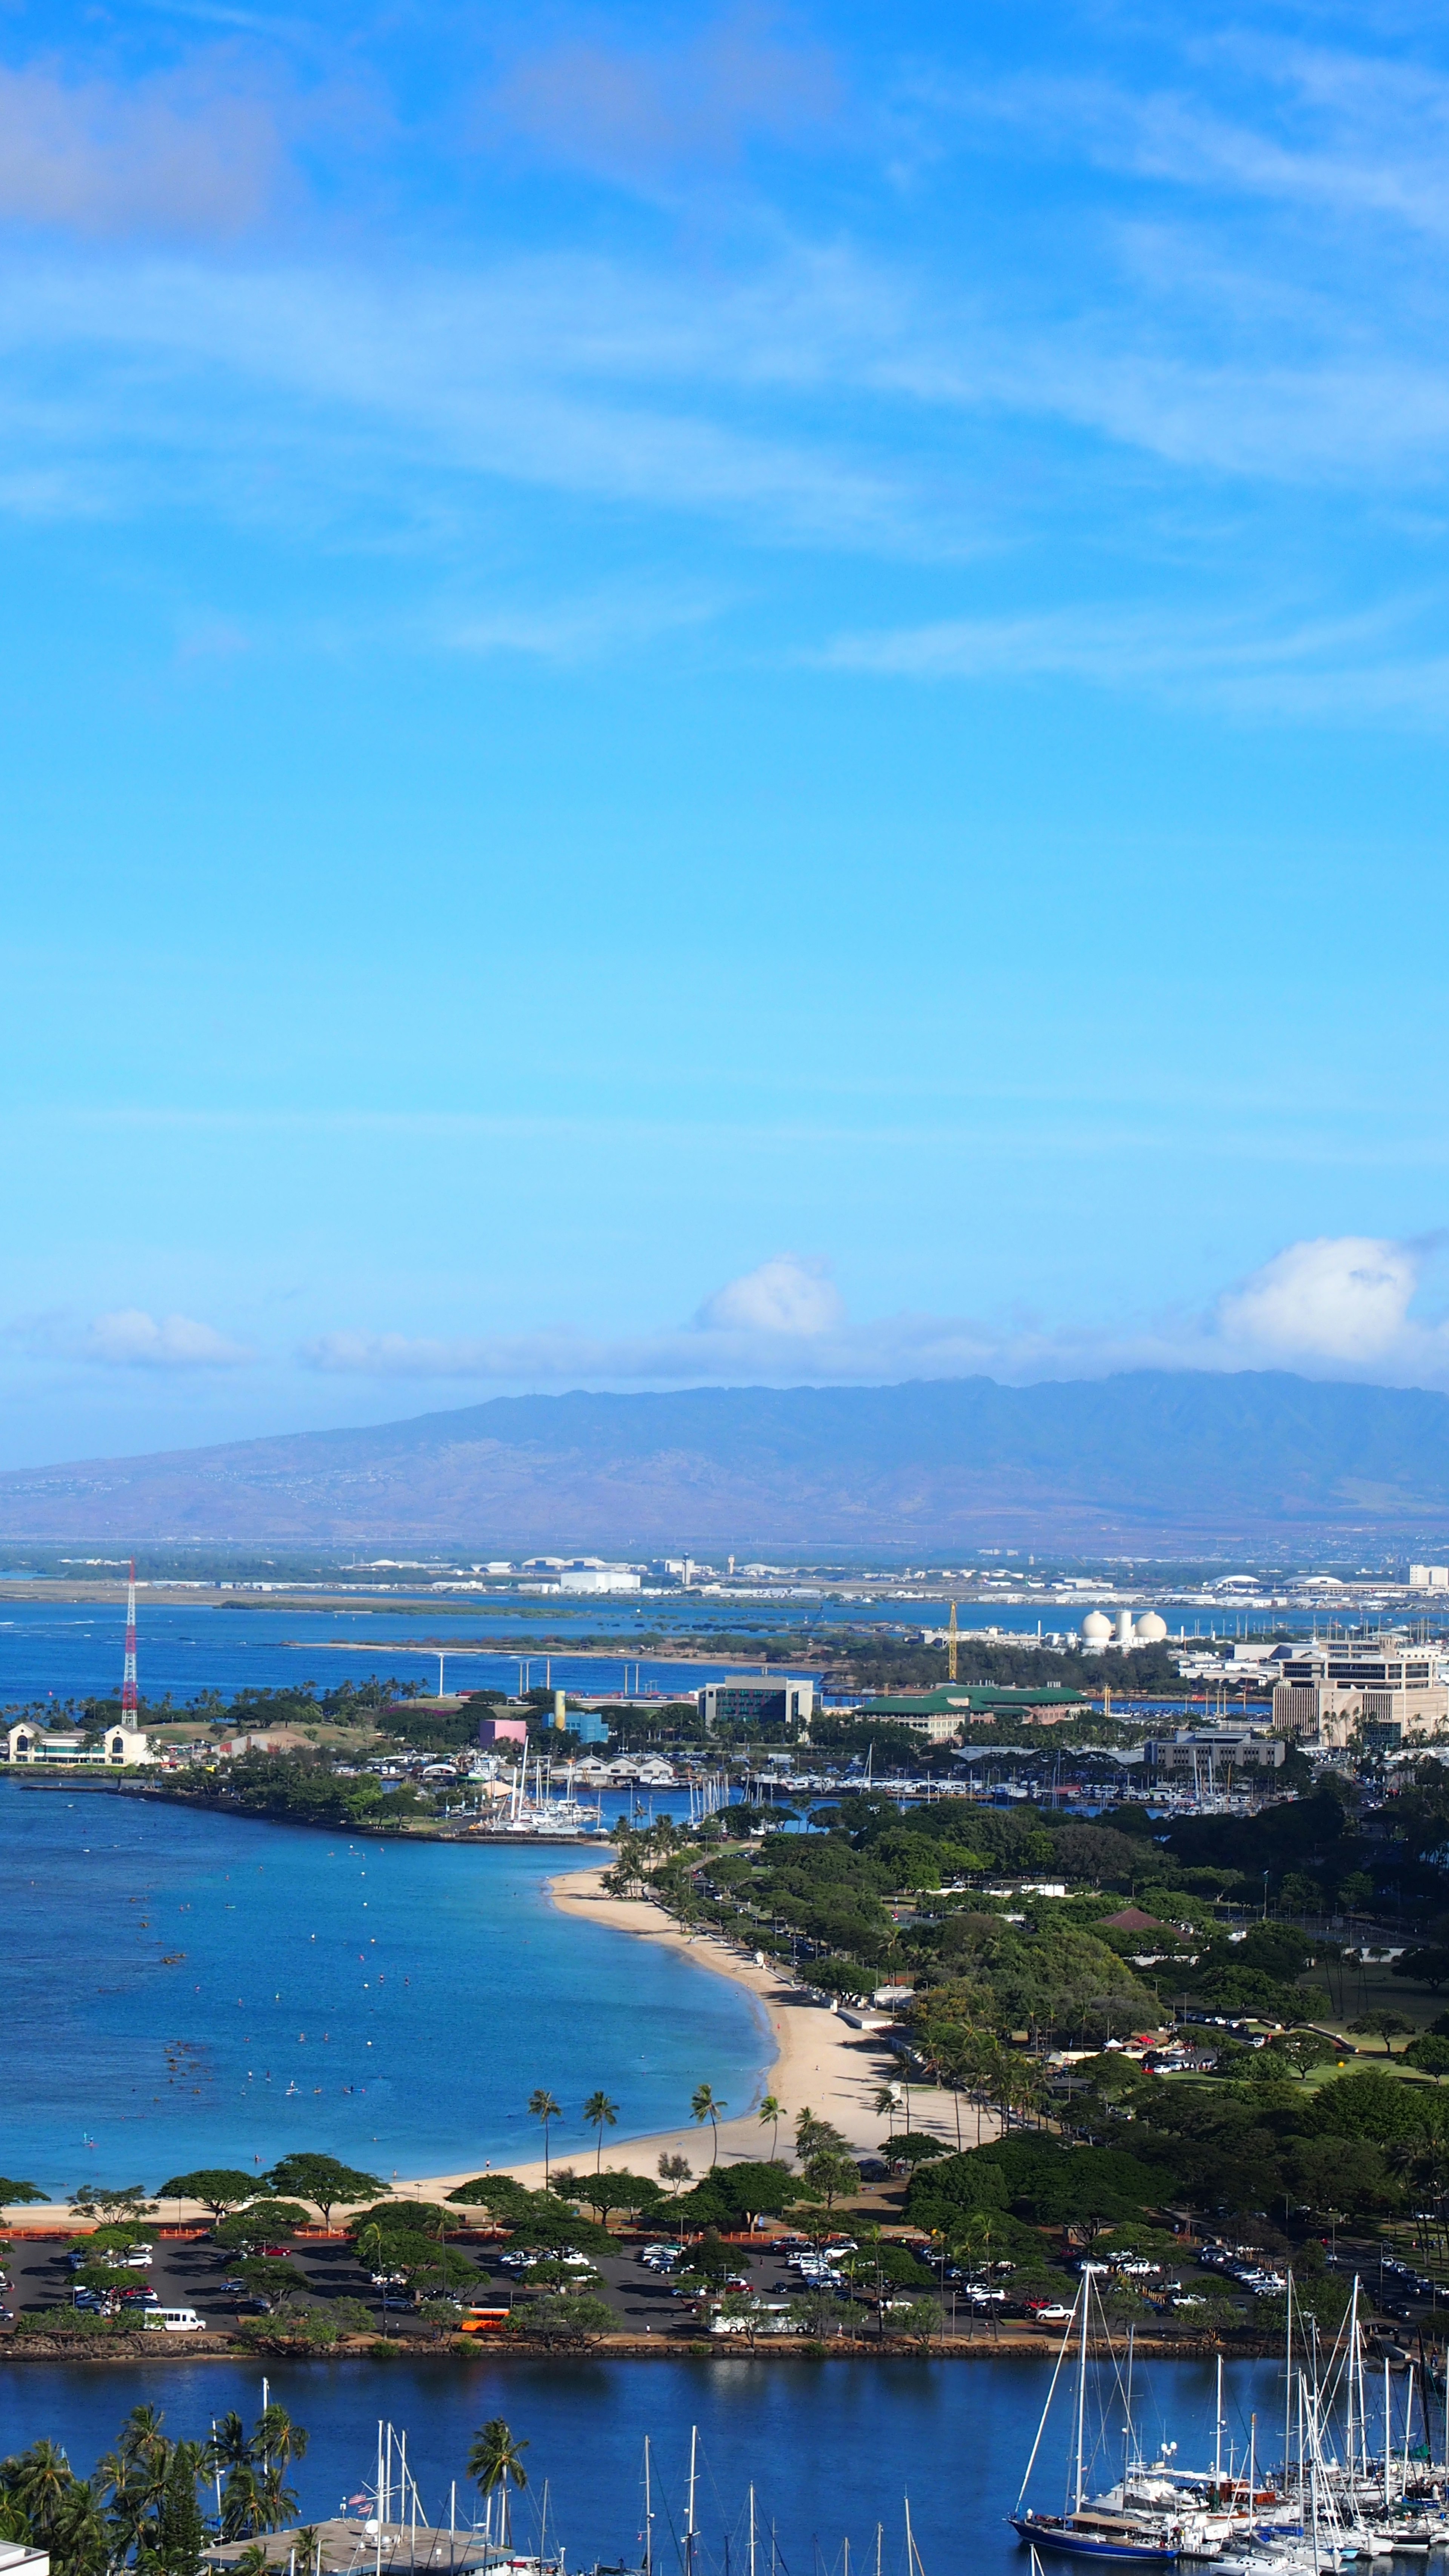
1344,1298
130,1338
785,1295
1335,1307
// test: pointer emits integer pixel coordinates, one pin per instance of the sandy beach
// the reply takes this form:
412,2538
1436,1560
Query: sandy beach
819,2061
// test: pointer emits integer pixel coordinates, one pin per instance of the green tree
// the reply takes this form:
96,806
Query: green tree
1303,2050
705,2104
262,2224
322,2180
1387,2026
919,2323
600,2114
1430,2054
832,2176
542,2106
495,2463
180,2535
95,2200
219,2188
17,2195
772,2111
570,2322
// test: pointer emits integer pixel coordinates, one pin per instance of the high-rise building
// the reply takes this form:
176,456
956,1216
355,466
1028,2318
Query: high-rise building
1381,1687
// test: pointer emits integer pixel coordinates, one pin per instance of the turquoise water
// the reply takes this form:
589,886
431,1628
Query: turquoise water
179,1989
831,2448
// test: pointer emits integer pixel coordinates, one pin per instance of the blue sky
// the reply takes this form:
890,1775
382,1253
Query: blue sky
698,694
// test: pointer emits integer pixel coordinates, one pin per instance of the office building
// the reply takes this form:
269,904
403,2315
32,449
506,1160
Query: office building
1381,1688
769,1699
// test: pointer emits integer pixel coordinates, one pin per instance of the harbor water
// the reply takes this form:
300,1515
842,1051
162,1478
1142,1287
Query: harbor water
831,2448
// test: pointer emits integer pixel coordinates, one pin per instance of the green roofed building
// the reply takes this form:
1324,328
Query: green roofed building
940,1714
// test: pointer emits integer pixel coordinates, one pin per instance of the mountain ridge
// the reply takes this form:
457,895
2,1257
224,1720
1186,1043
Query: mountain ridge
1162,1459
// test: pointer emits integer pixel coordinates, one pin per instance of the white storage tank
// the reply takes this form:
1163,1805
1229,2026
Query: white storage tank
1096,1628
1151,1628
1124,1627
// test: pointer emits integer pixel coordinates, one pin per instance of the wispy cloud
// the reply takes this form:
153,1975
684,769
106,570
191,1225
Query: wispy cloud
130,1338
1313,668
633,114
188,154
1334,1307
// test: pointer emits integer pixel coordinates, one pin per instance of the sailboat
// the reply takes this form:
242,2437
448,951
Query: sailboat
1099,2527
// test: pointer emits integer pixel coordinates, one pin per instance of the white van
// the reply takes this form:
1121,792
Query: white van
174,2320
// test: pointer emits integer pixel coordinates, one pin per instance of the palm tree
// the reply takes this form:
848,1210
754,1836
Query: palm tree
371,2247
706,2105
773,2111
43,2477
600,2114
229,2447
542,2106
885,2105
276,2438
495,2460
276,2501
242,2502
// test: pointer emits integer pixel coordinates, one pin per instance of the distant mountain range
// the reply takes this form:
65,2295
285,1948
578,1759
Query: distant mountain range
1170,1463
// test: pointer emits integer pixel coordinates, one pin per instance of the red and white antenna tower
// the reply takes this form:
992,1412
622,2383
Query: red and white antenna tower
129,1701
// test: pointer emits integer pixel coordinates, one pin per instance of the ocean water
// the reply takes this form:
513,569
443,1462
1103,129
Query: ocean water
180,1989
831,2448
65,1650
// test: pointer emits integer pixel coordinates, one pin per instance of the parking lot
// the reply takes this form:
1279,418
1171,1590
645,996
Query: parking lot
192,2273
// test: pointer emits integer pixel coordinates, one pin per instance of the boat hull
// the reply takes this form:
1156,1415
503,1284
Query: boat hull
1090,2544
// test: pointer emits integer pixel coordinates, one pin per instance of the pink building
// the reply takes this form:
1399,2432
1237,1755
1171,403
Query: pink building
502,1730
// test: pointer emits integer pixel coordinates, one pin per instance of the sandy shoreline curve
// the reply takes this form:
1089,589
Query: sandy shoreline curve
819,2061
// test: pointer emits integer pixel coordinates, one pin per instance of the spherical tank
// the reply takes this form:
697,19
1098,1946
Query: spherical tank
1096,1629
1151,1629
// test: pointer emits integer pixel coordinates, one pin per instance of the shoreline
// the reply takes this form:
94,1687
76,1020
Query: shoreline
818,2061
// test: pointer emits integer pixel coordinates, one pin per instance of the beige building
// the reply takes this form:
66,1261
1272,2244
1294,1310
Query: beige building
1379,1687
120,1748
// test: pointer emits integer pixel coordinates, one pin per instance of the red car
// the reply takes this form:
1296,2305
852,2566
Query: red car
277,2253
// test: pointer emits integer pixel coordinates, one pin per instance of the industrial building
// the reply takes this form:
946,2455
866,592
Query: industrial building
1384,1689
1098,1632
766,1699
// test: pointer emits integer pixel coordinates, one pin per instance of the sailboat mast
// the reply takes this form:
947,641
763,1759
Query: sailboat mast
1082,2393
689,2518
1388,2441
1288,2385
649,2515
910,2543
752,2534
1218,2452
1352,2354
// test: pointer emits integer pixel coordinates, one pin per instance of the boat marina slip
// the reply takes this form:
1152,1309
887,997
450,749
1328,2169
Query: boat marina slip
1338,2491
